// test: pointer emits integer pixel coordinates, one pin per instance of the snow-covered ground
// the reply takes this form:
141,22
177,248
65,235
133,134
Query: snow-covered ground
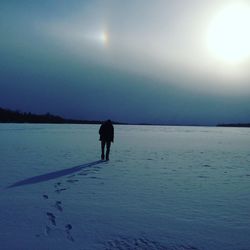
163,188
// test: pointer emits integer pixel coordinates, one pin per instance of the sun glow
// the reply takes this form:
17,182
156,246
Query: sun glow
103,37
100,38
228,36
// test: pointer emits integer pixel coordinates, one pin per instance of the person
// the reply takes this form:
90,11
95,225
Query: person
106,133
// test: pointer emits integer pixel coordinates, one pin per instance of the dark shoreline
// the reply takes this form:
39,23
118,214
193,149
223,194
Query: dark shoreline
10,116
235,125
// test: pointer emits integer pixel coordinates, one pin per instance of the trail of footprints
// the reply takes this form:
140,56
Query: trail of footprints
56,207
52,225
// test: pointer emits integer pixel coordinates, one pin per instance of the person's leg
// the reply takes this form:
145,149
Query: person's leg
103,146
108,149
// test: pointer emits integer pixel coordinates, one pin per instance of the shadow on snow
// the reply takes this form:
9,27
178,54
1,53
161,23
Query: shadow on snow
53,175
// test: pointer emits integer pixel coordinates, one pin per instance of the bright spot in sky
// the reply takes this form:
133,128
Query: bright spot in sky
103,37
97,38
228,36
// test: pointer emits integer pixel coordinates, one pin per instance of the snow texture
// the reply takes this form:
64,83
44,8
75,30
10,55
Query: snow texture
174,188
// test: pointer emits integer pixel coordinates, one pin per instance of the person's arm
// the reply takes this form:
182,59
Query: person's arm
112,134
100,130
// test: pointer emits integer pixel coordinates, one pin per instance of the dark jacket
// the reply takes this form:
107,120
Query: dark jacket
106,131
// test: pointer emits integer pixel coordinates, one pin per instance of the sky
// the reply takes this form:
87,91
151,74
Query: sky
155,61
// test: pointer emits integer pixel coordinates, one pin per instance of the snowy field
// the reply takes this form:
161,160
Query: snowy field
174,188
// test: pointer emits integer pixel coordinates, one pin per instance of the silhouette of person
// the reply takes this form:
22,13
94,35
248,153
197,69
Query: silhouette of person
106,133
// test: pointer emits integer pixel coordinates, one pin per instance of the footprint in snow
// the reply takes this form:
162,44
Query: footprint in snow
52,218
68,228
60,190
82,173
57,184
58,206
72,181
45,196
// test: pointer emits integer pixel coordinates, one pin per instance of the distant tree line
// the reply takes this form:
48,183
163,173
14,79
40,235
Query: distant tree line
241,125
9,116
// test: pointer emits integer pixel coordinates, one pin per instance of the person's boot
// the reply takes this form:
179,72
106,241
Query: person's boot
107,157
102,156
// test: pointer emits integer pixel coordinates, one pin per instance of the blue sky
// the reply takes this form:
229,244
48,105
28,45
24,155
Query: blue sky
132,61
